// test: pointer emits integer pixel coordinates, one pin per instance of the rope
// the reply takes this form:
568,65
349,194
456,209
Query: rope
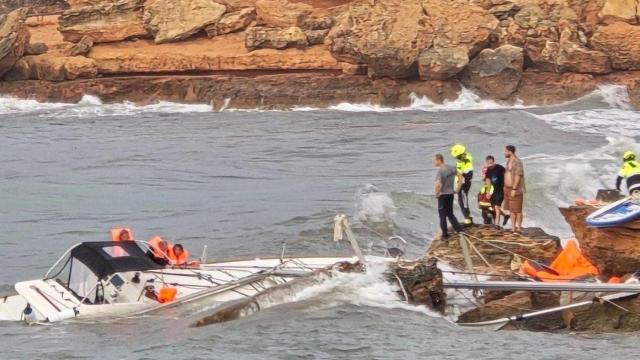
507,250
404,292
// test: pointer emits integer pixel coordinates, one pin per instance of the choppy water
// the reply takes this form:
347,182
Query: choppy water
245,182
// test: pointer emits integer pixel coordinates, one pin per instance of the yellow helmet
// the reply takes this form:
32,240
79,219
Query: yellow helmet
628,155
457,150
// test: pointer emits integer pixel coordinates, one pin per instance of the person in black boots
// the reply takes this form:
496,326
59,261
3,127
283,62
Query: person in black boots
444,190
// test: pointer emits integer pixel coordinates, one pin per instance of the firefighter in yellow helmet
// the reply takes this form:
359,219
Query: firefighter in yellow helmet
630,170
464,165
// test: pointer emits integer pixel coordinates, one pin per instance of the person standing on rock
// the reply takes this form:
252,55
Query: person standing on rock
464,166
514,187
444,190
495,173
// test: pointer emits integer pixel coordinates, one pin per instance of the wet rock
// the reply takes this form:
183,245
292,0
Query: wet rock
272,38
14,37
422,281
442,63
82,47
386,35
175,20
614,251
457,23
52,68
231,22
36,49
495,73
618,10
621,42
113,21
533,243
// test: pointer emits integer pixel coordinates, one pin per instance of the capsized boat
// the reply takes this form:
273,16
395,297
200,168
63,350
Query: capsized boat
94,280
615,214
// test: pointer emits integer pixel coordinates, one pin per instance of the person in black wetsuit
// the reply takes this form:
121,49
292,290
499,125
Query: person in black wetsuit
495,173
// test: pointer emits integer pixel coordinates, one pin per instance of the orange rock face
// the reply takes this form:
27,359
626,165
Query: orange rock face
221,53
614,251
621,42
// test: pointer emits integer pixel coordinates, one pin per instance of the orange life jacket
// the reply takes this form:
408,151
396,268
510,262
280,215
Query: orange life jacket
178,260
569,265
155,248
115,233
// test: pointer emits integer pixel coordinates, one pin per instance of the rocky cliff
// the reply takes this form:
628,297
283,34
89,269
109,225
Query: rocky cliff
281,53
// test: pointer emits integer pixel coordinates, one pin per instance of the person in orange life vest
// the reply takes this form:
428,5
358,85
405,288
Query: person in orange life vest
484,201
158,251
180,256
121,234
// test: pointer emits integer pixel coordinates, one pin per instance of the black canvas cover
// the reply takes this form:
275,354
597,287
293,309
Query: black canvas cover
108,257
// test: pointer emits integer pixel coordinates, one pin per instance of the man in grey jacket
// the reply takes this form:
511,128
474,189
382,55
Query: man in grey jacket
444,190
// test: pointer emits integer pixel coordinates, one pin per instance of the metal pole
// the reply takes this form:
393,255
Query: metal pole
467,256
353,241
542,286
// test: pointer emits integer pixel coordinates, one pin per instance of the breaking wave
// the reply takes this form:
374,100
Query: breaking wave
614,96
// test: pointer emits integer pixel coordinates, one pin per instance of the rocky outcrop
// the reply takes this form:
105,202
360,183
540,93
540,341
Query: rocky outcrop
272,38
621,42
495,72
442,63
52,68
614,250
35,6
35,49
252,90
457,23
82,47
422,281
386,35
170,20
567,56
619,10
533,243
113,21
232,22
14,37
282,13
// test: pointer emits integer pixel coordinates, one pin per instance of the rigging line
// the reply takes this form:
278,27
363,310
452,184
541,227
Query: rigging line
509,251
474,248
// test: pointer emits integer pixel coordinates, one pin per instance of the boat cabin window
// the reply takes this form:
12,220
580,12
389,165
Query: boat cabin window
82,281
115,251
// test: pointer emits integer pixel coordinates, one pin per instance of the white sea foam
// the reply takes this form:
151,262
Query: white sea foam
373,205
368,289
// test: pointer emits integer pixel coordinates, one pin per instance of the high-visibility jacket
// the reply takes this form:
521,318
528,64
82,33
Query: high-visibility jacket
629,168
466,165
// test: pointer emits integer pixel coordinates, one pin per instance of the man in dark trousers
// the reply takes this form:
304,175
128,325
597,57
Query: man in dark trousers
444,190
495,173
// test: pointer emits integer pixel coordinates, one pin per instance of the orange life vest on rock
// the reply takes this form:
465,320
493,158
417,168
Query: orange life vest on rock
569,265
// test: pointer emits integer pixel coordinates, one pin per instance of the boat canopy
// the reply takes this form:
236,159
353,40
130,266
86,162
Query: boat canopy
104,258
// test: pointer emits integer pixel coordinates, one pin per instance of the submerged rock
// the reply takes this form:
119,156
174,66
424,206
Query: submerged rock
14,37
422,282
175,20
108,22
